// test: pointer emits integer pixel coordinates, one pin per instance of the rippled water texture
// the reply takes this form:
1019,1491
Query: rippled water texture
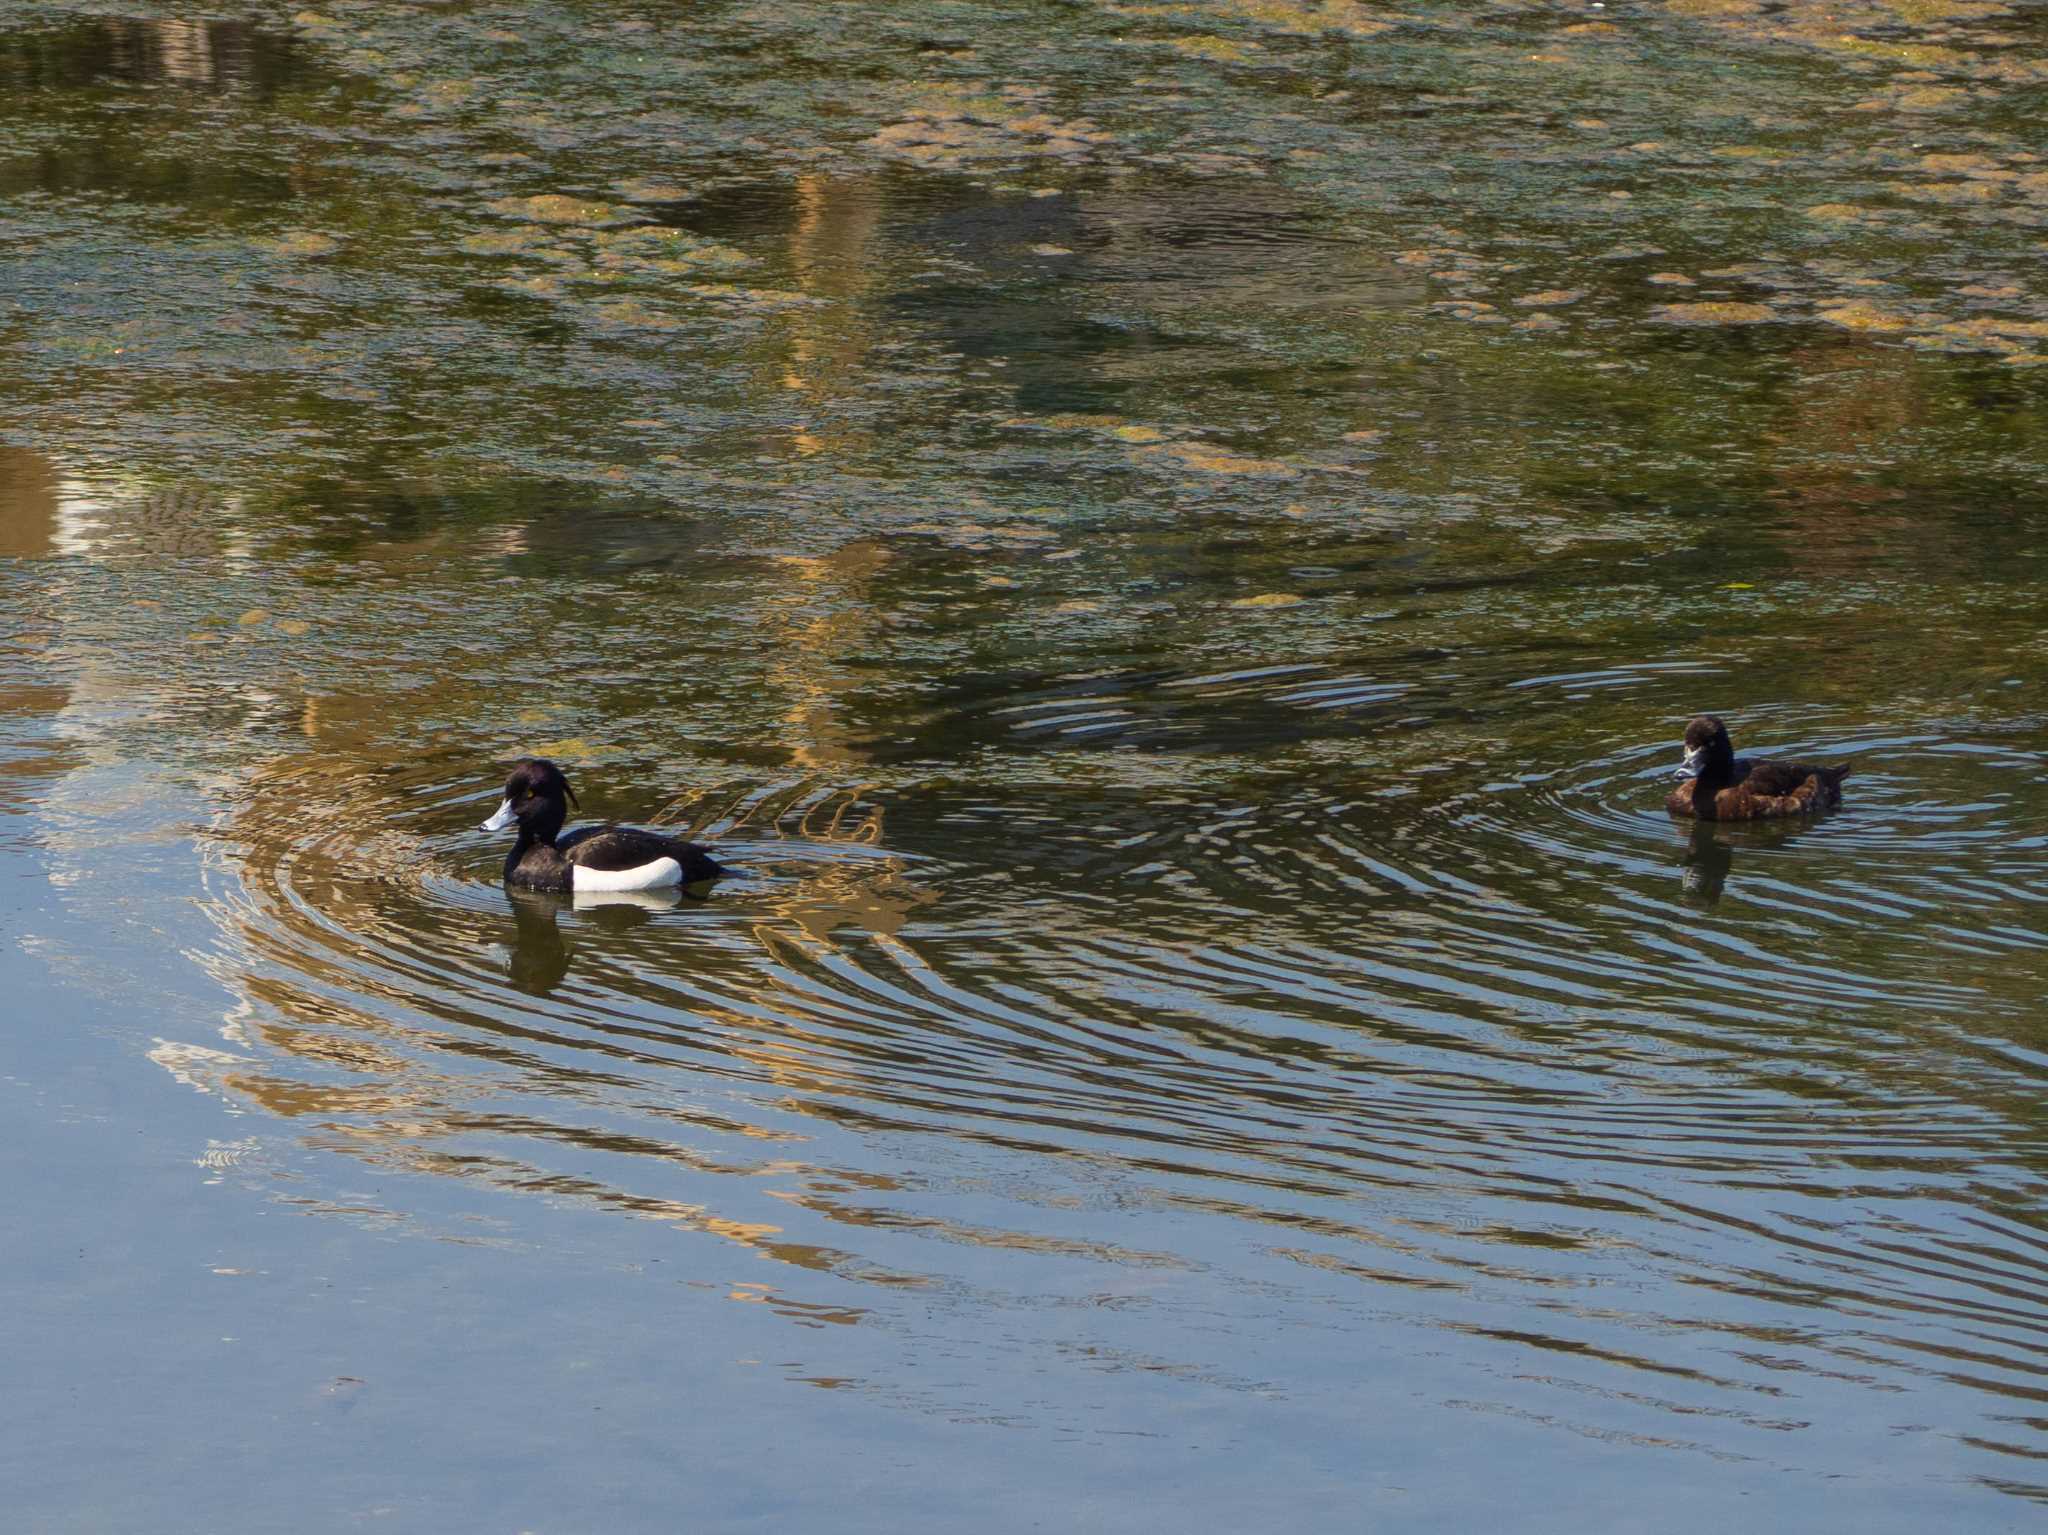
1172,547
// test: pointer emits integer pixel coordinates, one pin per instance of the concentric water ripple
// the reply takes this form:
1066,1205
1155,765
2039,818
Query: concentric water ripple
1415,1046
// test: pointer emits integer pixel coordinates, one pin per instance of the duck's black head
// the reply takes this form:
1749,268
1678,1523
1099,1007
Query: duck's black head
538,797
1708,752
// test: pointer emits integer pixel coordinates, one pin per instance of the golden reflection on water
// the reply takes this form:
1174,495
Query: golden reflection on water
30,514
819,624
824,349
823,352
29,504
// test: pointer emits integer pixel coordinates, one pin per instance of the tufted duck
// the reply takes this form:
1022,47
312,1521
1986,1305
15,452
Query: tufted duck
593,857
1724,787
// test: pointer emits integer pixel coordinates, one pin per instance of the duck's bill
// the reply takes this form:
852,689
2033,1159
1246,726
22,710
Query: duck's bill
502,819
1689,764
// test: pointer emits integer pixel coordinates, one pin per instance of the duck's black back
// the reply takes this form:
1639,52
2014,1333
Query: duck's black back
629,847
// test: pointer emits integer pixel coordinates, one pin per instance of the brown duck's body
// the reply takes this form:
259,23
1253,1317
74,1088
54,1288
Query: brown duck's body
1731,788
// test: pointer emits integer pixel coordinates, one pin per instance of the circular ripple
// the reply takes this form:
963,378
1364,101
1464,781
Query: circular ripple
1435,1031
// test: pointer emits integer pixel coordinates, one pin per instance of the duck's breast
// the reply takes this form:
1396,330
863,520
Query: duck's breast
542,868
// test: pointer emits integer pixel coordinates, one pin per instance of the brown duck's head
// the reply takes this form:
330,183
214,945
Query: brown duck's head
1708,752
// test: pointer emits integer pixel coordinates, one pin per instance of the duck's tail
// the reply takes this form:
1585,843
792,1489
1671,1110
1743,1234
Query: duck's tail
699,863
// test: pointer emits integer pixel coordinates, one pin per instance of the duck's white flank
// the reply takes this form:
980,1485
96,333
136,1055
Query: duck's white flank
649,876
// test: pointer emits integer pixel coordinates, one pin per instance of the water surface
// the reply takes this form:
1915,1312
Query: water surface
1173,547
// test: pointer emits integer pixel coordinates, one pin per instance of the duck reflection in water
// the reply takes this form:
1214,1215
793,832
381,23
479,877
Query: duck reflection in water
1709,855
541,955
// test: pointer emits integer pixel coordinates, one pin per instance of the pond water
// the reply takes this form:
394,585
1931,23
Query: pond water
1173,545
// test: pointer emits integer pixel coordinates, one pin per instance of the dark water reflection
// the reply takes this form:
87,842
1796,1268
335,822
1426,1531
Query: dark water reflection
115,52
1184,634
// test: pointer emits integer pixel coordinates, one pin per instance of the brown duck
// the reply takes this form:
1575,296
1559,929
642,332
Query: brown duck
1725,787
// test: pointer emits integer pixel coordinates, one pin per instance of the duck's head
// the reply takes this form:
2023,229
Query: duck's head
537,797
1708,752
